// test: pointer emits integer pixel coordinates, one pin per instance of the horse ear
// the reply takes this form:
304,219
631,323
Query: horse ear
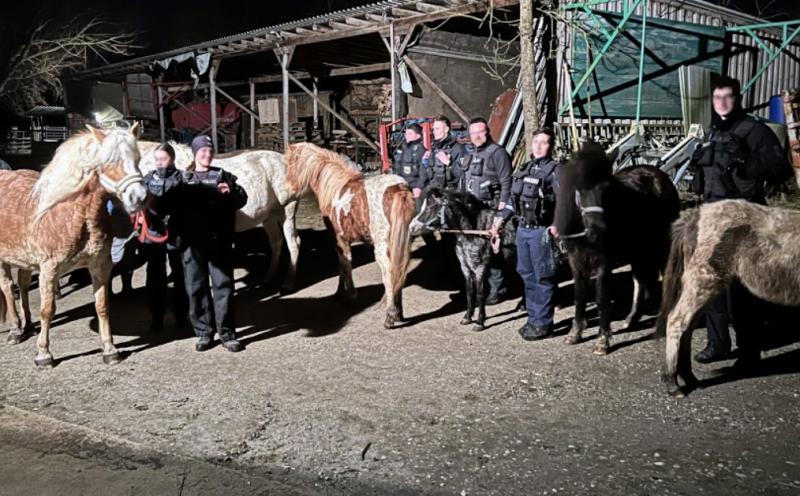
98,134
134,130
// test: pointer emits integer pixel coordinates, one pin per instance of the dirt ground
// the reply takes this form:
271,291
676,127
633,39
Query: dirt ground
326,401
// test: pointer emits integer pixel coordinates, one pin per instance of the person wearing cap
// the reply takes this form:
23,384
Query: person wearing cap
162,185
410,161
207,204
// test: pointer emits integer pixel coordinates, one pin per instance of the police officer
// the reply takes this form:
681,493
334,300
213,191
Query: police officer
488,178
533,200
163,185
445,165
410,160
209,199
737,156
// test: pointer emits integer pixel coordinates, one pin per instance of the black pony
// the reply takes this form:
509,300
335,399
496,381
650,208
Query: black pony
464,216
605,219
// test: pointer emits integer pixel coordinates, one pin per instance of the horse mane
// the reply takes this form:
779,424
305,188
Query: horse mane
323,171
76,162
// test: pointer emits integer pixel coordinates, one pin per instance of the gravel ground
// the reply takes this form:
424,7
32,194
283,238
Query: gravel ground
325,401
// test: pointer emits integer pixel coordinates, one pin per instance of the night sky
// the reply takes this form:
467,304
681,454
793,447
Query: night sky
164,25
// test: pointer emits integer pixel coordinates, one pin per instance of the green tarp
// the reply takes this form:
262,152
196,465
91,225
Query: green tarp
669,45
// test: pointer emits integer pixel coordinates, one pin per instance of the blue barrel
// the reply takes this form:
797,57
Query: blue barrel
776,110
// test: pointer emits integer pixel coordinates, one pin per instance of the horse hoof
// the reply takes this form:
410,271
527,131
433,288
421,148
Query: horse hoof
15,338
676,392
477,328
388,323
465,321
600,350
112,358
45,363
572,339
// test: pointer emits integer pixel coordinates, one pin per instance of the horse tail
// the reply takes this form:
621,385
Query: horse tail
401,213
684,243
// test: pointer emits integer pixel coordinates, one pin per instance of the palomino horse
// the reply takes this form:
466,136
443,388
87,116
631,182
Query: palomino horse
376,210
57,222
605,219
712,246
269,205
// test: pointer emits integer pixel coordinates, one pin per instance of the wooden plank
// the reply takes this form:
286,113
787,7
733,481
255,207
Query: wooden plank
401,12
427,7
322,28
355,21
344,120
212,75
340,25
435,87
385,18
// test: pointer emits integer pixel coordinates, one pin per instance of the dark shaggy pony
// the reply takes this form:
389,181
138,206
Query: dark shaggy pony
604,219
461,214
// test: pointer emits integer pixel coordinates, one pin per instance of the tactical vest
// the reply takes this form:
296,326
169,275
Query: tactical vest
441,171
408,160
533,192
723,156
210,178
482,179
157,184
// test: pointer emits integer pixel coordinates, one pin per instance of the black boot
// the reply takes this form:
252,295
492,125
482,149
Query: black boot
232,345
712,354
530,332
204,343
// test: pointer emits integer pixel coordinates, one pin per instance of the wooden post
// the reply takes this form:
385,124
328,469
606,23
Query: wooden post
161,113
212,89
314,82
125,103
393,63
285,58
252,119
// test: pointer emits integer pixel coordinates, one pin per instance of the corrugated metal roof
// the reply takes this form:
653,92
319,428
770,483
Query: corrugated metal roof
285,35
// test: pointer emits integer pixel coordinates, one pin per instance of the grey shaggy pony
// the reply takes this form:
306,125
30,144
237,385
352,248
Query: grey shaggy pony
711,247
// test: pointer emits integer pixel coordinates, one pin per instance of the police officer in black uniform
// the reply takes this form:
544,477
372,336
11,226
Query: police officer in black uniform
410,161
488,178
533,201
163,184
209,199
445,170
738,155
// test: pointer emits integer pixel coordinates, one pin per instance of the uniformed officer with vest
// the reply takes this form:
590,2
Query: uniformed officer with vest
410,161
445,170
737,156
488,177
209,199
163,185
533,201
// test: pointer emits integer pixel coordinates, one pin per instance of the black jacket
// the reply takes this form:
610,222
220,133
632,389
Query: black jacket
443,175
205,216
533,193
408,163
737,157
162,186
488,173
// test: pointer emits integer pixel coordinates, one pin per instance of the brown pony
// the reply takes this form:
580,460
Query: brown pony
374,210
711,247
56,222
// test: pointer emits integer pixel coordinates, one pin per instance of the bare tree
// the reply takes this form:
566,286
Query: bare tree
530,100
50,52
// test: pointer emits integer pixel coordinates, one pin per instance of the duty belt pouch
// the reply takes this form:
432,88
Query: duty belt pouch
407,170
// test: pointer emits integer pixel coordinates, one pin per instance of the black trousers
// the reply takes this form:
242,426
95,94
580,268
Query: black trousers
738,307
210,307
157,282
